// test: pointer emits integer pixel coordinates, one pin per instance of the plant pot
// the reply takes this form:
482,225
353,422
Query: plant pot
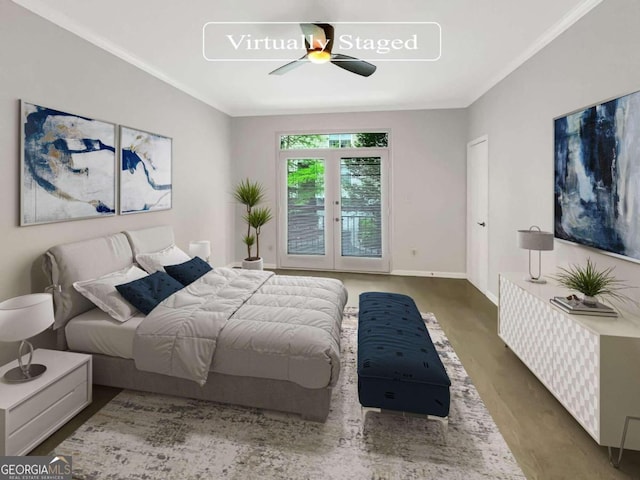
589,301
252,264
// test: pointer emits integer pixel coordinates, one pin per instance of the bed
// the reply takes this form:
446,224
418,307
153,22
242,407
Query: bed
277,347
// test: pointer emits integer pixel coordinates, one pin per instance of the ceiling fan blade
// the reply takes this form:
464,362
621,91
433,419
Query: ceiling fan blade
315,31
354,65
289,66
322,35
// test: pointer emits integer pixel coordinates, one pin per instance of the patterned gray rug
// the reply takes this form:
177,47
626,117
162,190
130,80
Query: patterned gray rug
147,436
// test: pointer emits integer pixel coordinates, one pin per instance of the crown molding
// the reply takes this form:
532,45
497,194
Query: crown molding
48,12
545,39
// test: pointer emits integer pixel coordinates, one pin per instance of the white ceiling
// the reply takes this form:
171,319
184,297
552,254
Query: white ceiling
482,42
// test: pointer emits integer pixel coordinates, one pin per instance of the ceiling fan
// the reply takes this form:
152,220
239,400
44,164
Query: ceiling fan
319,51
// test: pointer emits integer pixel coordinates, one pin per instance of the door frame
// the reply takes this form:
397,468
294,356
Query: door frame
333,240
483,288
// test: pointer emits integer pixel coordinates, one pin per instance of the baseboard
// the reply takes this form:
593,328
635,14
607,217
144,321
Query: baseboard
493,298
422,273
400,273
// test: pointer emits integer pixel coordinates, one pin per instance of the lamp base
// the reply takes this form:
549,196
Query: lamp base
535,280
16,375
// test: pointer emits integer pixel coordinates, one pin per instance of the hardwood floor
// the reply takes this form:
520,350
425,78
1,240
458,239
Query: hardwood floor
545,439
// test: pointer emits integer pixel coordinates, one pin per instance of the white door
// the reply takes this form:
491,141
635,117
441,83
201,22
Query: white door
333,210
478,212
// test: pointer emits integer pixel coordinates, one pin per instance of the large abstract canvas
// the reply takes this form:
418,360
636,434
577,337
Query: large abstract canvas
68,166
145,171
597,176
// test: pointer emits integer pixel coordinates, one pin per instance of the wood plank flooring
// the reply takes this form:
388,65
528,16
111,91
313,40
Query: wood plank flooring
545,439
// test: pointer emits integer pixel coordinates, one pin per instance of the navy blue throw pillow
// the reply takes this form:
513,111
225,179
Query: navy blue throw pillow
189,271
146,293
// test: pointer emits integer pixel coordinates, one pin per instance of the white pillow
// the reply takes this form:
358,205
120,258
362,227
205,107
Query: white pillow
154,262
102,292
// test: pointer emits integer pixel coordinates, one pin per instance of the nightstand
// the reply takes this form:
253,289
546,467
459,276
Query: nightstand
31,411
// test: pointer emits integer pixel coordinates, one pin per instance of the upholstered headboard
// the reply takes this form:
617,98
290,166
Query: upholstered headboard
151,239
86,259
73,262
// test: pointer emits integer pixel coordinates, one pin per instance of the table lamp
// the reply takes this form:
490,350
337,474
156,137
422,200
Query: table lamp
21,318
200,248
535,239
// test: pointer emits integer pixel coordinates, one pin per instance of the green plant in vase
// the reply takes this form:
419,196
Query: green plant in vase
256,219
592,283
250,194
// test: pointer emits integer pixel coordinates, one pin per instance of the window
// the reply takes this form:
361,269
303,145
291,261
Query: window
335,140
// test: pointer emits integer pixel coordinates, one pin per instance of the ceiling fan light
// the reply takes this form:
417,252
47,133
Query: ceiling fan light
319,56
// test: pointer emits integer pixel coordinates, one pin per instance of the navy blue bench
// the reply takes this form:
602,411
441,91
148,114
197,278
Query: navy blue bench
398,366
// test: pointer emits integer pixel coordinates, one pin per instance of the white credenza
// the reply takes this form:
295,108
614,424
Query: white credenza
590,364
31,411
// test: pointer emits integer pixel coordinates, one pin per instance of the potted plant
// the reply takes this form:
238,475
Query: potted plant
250,194
592,283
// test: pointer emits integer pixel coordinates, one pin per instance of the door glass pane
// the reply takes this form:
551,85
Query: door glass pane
360,185
305,206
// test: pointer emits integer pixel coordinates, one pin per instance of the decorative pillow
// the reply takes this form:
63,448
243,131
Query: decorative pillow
188,272
102,292
146,293
155,262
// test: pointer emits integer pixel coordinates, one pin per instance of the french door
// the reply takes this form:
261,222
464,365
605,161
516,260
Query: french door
333,212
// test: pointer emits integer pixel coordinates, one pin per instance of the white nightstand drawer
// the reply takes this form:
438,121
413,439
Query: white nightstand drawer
40,402
33,410
22,440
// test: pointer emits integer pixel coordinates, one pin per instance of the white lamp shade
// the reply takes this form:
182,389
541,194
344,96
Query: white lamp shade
25,316
200,248
535,240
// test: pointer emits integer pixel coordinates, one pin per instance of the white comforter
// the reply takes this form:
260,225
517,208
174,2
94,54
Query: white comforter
279,327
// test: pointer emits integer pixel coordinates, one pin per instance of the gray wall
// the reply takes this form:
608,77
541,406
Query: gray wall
428,179
594,60
47,65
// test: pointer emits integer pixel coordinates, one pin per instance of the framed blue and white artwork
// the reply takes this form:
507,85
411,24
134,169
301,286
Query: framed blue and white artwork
145,171
67,166
597,177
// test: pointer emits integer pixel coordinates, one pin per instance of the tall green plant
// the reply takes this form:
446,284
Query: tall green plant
256,219
592,282
251,194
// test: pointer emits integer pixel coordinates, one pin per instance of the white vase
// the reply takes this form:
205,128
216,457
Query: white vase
589,301
252,264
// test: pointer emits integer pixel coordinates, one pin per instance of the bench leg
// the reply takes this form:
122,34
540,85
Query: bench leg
444,421
363,415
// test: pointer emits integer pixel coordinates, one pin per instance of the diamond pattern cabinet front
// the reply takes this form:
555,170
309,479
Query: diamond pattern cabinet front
590,364
576,381
527,328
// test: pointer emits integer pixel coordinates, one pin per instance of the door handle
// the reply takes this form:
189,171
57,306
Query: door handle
482,224
337,219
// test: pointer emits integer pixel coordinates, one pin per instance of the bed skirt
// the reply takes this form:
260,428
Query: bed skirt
280,395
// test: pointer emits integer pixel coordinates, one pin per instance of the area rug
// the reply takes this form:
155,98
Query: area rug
148,436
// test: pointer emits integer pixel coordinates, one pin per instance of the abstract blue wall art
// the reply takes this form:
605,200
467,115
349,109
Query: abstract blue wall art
597,176
68,166
145,171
